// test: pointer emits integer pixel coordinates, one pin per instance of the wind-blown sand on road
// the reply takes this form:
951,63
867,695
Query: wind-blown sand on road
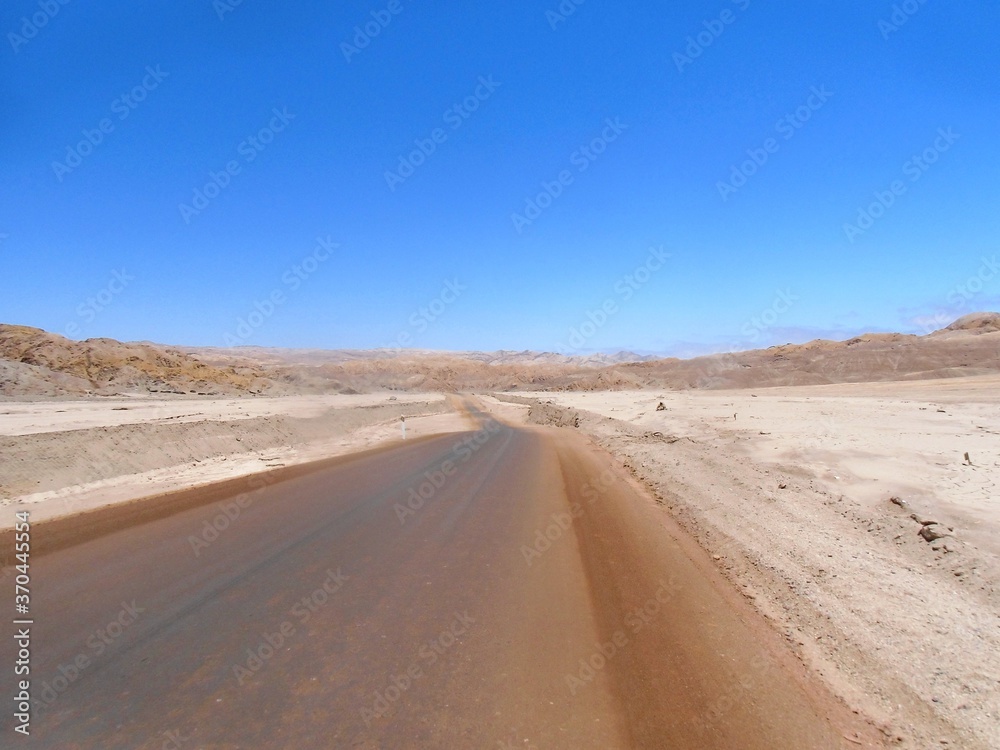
792,496
534,597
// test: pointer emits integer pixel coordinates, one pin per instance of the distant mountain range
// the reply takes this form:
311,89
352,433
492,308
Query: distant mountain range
258,354
34,363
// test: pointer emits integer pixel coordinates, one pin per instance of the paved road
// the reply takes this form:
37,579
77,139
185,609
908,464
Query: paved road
501,588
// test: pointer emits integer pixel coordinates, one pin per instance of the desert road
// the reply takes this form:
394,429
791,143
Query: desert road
505,587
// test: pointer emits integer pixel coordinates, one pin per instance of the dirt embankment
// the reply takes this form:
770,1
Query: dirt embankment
52,460
544,413
97,457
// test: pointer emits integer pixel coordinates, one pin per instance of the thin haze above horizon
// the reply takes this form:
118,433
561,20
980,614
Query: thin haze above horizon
569,176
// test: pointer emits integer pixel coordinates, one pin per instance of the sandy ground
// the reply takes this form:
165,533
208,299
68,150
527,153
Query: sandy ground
59,458
21,417
790,489
871,441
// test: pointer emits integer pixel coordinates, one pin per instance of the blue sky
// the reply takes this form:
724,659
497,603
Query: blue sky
363,174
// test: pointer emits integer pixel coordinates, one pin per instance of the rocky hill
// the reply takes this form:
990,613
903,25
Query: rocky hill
36,363
987,322
971,346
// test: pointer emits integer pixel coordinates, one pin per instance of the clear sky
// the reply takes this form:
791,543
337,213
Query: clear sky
662,177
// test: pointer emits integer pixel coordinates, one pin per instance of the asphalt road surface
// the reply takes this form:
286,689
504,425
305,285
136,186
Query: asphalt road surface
501,588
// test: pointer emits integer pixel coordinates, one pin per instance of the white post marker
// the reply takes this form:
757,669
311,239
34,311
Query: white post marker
403,420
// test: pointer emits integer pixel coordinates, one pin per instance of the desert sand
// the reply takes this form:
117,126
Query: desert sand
791,491
64,457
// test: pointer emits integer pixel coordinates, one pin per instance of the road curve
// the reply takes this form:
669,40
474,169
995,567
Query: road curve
500,588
